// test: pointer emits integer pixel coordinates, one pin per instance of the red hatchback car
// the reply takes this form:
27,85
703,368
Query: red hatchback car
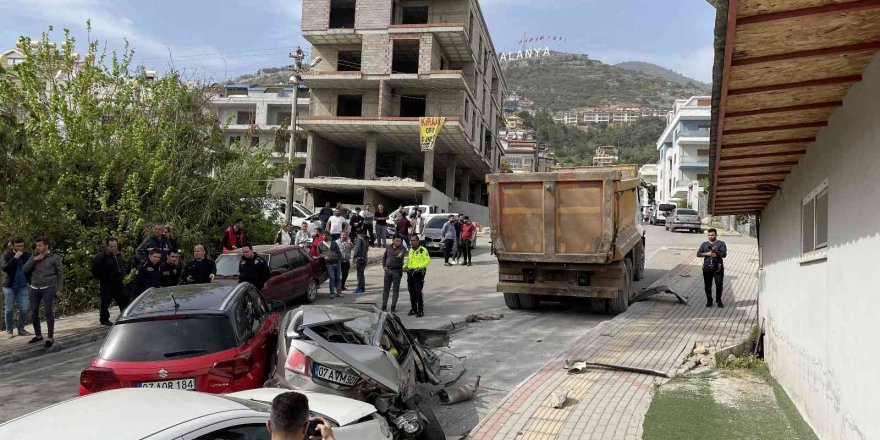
202,337
293,273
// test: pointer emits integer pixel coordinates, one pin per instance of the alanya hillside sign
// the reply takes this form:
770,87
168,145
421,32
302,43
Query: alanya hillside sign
527,53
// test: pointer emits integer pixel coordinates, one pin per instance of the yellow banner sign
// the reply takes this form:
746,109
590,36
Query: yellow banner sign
429,128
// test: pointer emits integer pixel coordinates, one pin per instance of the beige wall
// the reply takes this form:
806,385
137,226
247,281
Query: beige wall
315,15
372,14
330,54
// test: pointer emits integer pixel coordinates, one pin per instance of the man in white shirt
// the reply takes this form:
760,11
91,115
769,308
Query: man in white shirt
336,224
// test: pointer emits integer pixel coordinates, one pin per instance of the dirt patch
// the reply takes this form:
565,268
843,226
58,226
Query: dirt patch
736,390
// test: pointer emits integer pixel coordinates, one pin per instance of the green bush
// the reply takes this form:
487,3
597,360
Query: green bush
91,148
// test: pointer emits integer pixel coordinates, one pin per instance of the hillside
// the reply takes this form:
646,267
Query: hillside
564,81
266,76
663,73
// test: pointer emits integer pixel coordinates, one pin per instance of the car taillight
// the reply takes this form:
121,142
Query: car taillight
297,362
235,368
94,379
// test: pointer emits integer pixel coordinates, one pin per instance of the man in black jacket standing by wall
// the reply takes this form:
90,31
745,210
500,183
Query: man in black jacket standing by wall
713,252
109,271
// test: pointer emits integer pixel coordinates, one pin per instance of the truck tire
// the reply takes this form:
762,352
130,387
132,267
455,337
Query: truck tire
529,301
639,260
512,301
620,303
598,305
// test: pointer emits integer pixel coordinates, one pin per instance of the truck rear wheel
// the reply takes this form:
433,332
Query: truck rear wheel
512,301
639,262
598,305
529,301
620,303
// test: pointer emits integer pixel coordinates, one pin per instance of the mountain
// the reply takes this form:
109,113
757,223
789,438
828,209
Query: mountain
564,81
662,73
266,76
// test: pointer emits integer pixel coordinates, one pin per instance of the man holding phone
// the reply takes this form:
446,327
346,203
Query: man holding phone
46,284
289,419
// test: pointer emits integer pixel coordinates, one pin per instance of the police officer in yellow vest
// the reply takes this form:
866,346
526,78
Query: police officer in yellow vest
415,266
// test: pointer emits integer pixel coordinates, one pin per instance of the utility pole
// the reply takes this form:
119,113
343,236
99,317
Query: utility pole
291,146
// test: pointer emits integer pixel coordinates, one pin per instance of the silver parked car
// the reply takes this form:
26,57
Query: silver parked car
683,218
157,414
360,352
433,226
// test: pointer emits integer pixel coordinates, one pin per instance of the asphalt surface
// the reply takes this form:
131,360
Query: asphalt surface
503,352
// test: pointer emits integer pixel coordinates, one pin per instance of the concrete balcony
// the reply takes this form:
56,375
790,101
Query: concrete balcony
437,79
452,36
694,165
332,36
396,134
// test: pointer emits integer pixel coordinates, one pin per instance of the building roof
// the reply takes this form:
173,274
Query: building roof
781,69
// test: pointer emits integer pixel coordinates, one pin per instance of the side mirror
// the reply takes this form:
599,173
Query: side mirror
278,306
275,272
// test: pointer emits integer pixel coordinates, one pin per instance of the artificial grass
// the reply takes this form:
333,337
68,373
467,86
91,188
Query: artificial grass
686,409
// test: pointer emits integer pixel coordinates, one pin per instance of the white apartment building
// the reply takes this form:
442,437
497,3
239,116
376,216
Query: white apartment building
256,113
567,118
684,151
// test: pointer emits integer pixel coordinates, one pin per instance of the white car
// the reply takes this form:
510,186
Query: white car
273,209
134,413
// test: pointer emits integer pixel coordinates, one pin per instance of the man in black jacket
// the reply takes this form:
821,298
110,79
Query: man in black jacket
172,269
150,273
201,270
392,262
156,241
252,269
15,286
109,271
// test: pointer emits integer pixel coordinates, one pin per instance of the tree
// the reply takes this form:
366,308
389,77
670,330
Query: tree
92,149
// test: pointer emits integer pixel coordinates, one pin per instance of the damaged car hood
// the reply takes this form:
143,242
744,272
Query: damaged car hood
369,361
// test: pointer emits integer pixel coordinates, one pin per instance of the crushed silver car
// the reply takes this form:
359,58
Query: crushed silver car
360,352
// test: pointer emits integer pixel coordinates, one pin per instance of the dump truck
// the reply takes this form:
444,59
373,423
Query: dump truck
571,232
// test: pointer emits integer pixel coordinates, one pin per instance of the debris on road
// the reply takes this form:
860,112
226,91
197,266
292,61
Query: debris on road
475,317
460,394
650,291
558,398
578,366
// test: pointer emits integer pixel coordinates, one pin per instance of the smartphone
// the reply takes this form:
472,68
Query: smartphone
312,430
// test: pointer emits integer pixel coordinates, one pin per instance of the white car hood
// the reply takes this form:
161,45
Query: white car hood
342,410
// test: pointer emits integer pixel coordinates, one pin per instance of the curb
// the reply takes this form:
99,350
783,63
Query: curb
737,350
86,336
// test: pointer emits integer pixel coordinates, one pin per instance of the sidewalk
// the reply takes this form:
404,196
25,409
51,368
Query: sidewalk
80,328
657,333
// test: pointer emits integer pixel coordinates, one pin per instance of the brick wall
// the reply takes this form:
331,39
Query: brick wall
372,14
315,15
330,54
376,54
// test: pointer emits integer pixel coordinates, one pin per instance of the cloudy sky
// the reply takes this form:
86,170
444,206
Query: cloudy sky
220,39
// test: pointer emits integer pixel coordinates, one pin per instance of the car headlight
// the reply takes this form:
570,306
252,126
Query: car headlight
383,427
408,422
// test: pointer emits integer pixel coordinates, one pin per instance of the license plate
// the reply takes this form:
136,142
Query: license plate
176,384
329,374
511,277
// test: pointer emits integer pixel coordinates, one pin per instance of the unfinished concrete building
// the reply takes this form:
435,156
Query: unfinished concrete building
385,64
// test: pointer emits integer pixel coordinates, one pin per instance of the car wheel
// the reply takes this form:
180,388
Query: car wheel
312,293
512,301
433,429
529,301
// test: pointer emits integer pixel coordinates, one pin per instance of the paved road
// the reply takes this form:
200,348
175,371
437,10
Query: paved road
503,352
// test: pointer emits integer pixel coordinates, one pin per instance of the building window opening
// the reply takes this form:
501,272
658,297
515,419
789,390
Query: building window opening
413,106
405,58
245,118
349,61
414,15
342,14
349,105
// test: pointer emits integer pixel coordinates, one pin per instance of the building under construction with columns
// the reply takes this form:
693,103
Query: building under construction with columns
385,63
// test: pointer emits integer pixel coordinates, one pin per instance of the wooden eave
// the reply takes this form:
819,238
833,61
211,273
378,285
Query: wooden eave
782,68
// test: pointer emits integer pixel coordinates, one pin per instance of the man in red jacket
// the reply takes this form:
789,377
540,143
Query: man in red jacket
468,234
234,237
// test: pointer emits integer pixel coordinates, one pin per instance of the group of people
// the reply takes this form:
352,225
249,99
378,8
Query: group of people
458,234
343,239
31,279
